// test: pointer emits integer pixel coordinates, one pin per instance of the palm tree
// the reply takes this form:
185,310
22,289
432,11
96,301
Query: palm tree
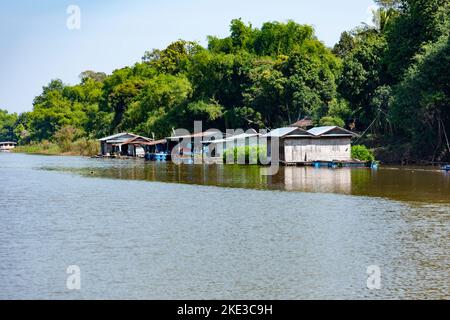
382,17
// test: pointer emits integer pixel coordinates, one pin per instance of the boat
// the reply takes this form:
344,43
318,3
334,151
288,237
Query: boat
446,168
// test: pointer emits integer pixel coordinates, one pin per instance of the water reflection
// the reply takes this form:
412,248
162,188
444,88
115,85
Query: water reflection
318,180
398,183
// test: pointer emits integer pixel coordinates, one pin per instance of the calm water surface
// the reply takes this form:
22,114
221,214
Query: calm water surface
159,231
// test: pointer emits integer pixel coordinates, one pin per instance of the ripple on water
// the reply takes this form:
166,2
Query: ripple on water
138,239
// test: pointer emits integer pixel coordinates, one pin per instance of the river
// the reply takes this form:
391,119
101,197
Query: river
142,230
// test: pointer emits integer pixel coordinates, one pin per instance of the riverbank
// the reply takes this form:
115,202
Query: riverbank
82,147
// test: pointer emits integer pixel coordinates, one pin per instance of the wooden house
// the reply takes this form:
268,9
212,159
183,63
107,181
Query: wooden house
189,147
300,146
124,144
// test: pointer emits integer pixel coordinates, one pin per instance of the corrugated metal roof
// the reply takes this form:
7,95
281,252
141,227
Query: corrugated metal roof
195,135
236,137
114,136
116,141
281,132
319,131
143,140
154,143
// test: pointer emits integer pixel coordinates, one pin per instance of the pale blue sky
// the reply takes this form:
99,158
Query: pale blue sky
36,46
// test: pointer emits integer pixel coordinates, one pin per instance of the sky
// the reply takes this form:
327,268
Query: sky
36,44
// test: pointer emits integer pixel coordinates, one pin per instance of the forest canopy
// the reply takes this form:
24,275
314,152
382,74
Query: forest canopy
389,81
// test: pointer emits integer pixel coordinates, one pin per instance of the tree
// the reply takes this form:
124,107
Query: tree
345,45
52,110
206,111
382,18
121,98
277,38
92,75
157,108
311,80
7,126
421,105
266,96
363,72
389,4
172,59
65,136
244,118
219,76
420,22
332,121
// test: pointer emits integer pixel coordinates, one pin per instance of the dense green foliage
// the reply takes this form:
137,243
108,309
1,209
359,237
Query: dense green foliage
395,78
389,81
362,153
245,155
7,126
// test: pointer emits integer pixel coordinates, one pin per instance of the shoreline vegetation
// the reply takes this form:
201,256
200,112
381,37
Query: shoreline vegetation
81,147
388,82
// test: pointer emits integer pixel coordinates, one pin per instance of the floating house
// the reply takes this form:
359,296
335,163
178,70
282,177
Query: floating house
124,144
300,146
157,146
189,148
157,150
7,146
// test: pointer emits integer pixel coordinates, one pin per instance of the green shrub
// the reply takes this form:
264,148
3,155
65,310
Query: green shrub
332,121
251,154
65,136
85,147
44,147
362,153
81,147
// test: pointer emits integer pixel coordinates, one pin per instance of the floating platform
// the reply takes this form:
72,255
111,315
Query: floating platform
158,157
346,164
334,164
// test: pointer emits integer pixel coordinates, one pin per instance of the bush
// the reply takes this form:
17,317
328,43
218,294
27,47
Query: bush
81,147
85,147
65,136
362,153
45,147
332,121
249,154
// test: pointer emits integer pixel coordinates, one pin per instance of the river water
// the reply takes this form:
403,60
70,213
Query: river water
141,230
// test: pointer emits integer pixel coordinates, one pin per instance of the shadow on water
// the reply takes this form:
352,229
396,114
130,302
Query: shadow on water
396,183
